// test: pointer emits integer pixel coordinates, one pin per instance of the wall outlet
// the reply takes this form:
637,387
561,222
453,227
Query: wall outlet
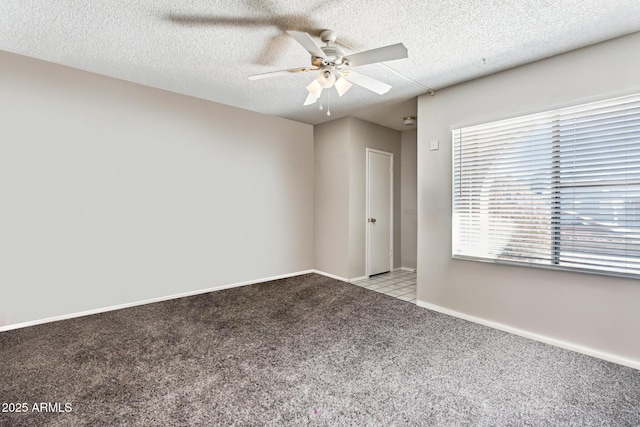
434,145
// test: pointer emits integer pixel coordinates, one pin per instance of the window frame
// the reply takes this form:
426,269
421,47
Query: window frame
557,185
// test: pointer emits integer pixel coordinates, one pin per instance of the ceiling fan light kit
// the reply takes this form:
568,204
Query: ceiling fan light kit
327,77
342,86
335,67
315,88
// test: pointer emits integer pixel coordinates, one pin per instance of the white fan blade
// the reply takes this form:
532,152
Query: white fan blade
281,73
307,42
367,82
342,86
311,99
315,88
381,54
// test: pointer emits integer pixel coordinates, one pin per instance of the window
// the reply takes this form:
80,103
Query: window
557,189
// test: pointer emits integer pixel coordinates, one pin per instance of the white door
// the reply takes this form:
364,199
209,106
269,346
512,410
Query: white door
379,211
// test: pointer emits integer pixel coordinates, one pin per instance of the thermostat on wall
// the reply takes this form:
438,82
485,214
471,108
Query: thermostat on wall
434,145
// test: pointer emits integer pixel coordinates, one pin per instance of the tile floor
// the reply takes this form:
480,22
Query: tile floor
399,283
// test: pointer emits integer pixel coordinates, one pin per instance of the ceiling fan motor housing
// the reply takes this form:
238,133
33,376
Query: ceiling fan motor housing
333,56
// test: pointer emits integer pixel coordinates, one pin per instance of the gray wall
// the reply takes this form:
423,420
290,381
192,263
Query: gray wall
114,193
331,159
409,198
594,313
340,198
365,135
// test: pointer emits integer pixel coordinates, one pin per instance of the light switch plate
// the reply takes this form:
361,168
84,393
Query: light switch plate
434,145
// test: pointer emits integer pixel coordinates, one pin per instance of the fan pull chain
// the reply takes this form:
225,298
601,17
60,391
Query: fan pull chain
328,107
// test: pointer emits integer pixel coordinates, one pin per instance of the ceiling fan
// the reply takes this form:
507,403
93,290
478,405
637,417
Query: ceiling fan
334,67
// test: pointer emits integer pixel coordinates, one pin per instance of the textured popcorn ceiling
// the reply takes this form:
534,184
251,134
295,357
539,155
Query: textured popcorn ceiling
207,48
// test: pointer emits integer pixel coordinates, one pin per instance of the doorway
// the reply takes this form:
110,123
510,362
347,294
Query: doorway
379,200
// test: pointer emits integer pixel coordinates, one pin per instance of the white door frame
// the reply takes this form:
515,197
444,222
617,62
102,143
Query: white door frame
367,211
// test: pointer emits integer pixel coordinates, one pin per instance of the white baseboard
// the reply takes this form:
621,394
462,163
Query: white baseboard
356,279
413,270
333,276
148,301
536,337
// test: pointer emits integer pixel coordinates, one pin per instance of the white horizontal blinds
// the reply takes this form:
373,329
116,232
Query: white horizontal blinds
503,173
557,188
600,185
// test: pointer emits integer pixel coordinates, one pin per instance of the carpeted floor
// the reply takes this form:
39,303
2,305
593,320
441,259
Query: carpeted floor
307,350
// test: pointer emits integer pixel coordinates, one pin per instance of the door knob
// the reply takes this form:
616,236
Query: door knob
372,220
